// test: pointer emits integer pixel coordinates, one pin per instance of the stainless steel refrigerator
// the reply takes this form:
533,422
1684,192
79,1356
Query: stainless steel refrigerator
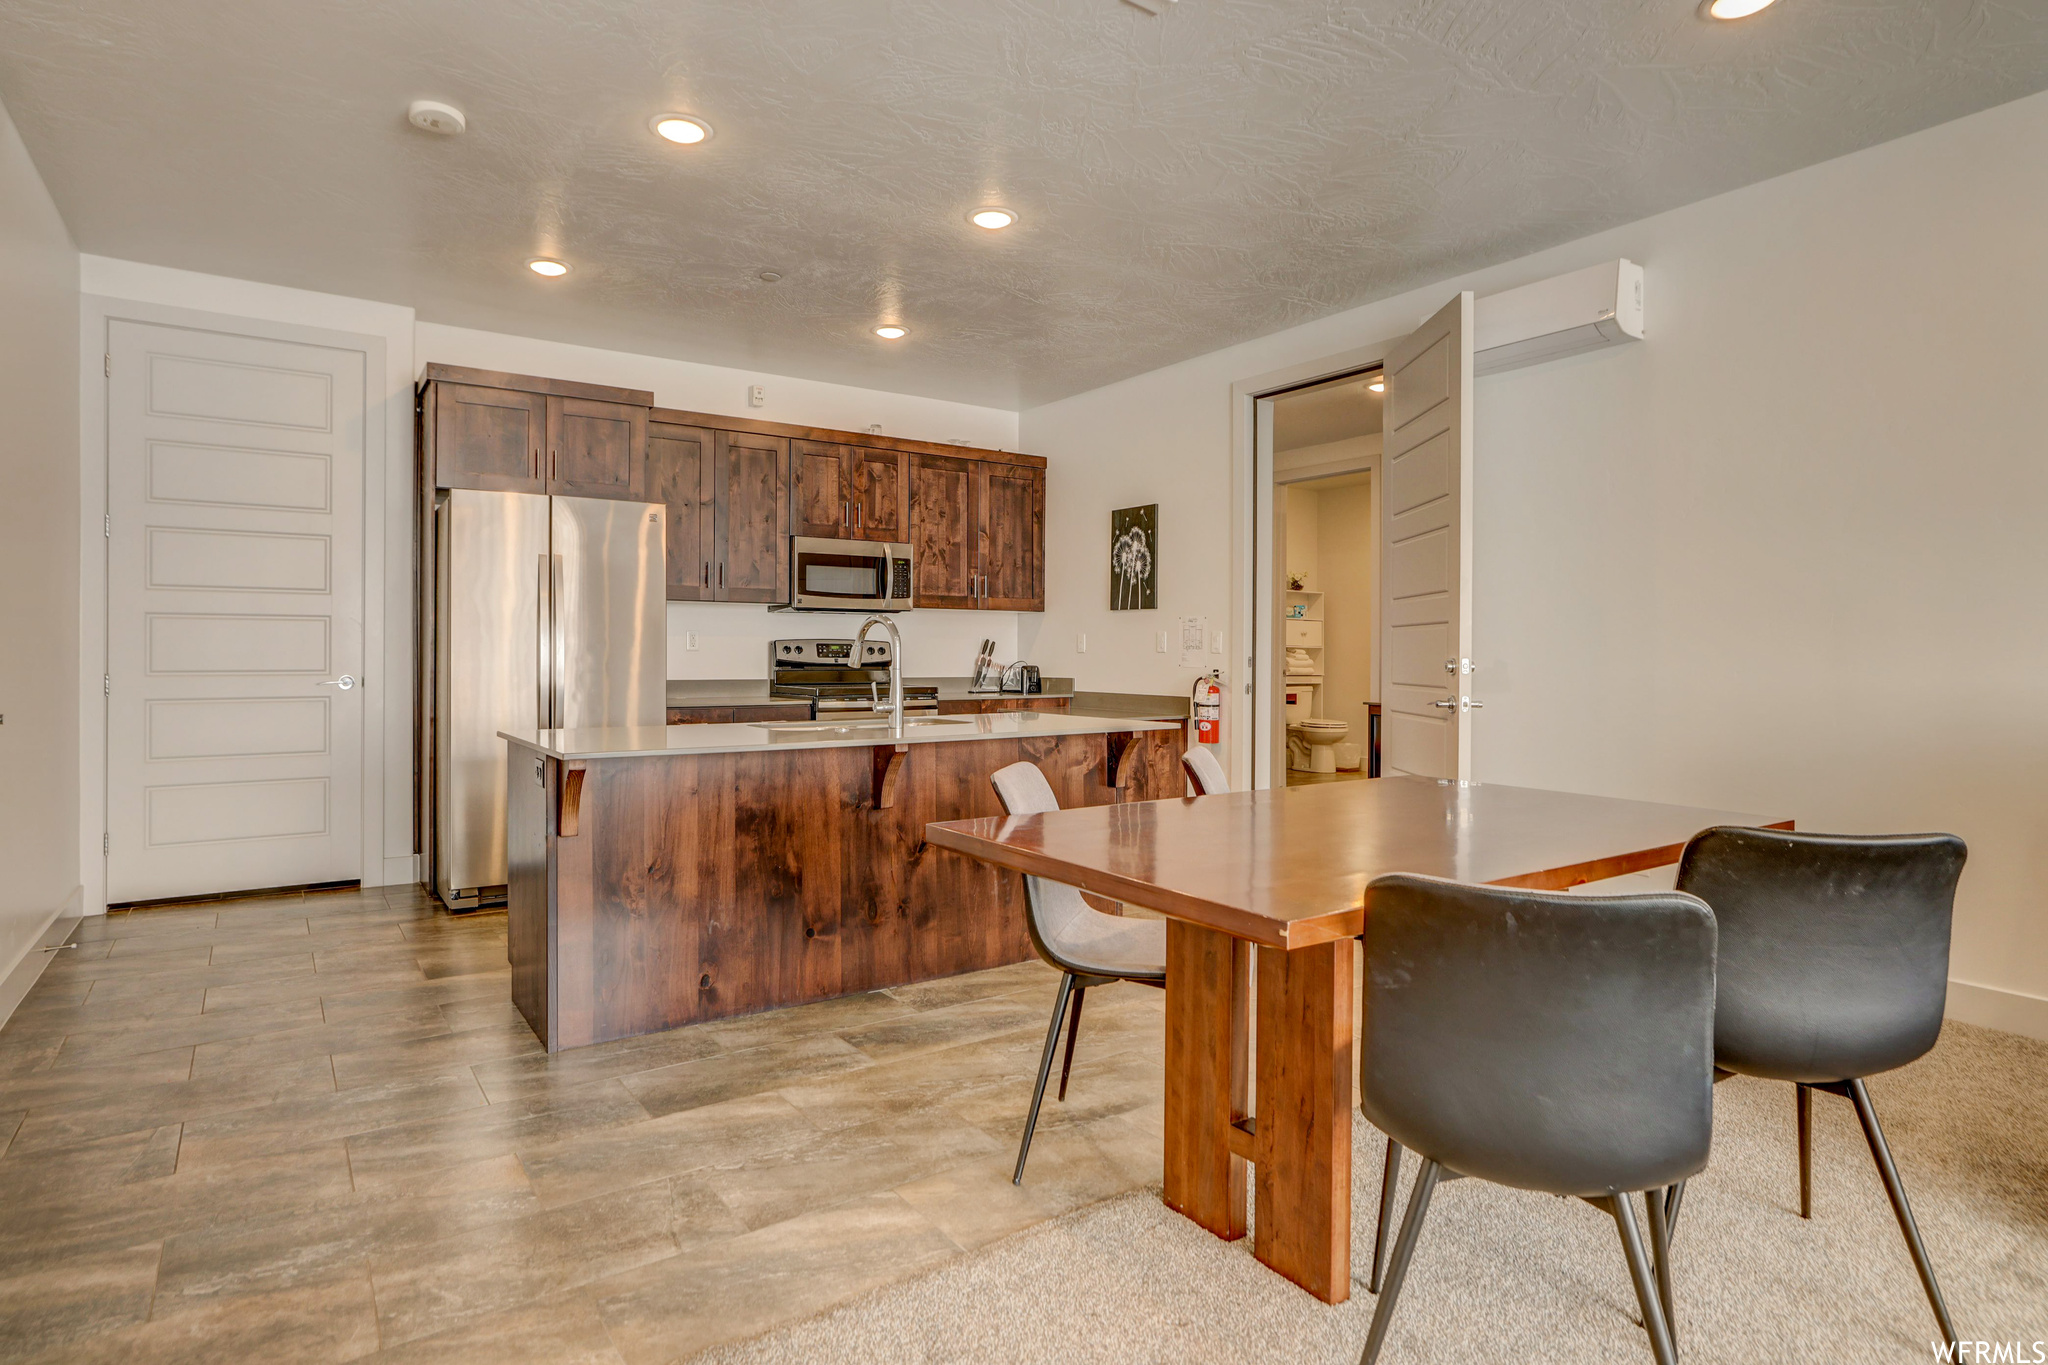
550,613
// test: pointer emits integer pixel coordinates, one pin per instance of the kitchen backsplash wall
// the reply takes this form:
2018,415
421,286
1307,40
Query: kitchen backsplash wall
732,637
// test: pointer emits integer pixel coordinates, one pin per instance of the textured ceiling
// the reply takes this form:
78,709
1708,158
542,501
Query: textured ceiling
1226,169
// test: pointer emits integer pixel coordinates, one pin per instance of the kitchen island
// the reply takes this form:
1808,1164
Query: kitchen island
664,875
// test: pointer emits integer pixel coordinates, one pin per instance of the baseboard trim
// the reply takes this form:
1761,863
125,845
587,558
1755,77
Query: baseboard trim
1995,1007
28,968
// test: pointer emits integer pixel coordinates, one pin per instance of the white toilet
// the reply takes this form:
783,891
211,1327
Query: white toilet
1311,741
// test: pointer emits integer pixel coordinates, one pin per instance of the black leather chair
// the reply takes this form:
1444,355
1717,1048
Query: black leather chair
1089,947
1834,967
1542,1041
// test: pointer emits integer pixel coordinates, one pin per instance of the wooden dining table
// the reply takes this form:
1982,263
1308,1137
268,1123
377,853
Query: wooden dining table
1276,882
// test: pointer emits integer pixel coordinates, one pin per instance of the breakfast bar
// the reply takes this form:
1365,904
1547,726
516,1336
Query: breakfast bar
661,876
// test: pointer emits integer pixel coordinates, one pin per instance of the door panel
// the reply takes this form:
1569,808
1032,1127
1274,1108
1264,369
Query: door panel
489,438
234,589
821,483
1012,537
610,618
750,519
596,450
945,519
679,478
881,494
1426,549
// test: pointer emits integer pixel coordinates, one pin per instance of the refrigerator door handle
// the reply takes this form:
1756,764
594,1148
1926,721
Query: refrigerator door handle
543,635
558,629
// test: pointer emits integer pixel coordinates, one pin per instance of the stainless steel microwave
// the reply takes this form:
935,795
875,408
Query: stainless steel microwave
848,575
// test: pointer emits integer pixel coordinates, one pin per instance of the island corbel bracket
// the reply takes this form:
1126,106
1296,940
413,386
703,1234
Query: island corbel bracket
569,815
888,769
1116,772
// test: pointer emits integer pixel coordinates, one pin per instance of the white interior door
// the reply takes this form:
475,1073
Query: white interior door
1426,550
234,604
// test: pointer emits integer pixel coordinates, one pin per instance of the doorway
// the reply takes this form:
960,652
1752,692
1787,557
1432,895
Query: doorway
1326,441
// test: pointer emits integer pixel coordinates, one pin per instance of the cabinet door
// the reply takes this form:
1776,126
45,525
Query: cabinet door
489,439
820,496
1012,537
944,517
679,477
596,450
881,494
750,517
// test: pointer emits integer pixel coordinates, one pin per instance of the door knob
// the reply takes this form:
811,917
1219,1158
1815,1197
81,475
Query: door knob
1460,704
344,682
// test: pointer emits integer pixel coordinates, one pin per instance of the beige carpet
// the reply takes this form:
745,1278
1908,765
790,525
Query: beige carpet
1504,1275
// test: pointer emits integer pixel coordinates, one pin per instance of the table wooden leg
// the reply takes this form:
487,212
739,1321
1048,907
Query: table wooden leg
1303,1150
1207,989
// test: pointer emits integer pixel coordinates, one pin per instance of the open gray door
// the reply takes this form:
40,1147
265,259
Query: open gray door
1426,550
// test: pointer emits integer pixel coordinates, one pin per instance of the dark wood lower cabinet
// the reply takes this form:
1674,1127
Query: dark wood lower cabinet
738,715
983,705
702,886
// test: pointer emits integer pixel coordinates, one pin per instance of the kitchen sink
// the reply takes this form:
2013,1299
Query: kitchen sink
850,727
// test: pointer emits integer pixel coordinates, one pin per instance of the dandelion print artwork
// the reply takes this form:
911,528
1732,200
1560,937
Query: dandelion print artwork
1134,558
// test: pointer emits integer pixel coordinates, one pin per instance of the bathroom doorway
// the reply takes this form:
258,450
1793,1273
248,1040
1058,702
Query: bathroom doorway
1326,457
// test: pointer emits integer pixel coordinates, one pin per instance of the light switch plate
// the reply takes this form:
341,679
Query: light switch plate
1081,643
1162,641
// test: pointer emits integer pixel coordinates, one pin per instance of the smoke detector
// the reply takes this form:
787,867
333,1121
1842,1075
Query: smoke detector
432,116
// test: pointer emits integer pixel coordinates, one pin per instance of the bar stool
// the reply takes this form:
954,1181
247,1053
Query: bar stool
1542,1041
1834,967
1089,947
1204,772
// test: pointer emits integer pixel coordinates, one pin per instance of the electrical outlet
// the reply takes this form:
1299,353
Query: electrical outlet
1081,643
689,639
757,396
1162,641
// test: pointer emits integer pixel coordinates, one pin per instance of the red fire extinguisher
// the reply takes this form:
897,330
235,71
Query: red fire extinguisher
1208,703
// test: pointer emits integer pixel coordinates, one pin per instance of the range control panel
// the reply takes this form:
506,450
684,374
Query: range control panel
828,653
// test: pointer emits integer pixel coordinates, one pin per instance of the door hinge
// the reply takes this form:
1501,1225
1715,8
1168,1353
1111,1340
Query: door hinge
106,684
106,844
107,364
107,526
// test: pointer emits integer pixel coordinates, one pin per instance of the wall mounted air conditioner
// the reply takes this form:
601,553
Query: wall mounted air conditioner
1601,305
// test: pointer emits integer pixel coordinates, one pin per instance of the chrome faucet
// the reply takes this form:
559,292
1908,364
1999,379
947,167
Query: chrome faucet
895,702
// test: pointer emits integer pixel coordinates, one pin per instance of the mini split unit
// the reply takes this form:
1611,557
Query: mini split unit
1599,306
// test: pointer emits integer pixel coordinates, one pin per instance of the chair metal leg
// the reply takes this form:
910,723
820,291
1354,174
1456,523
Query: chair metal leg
1805,1150
1672,1200
1390,1181
1073,1032
1658,1204
1052,1041
1404,1252
1881,1152
1624,1212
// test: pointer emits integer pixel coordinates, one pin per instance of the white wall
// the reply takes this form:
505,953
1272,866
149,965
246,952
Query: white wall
39,846
1302,508
1347,573
1787,555
731,637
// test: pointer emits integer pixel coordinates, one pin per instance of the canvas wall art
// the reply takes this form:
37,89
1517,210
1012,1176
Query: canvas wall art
1134,558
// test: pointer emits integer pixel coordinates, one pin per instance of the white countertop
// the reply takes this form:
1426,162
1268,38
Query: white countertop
650,740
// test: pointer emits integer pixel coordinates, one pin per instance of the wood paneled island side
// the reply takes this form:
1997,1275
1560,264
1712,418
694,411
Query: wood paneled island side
659,877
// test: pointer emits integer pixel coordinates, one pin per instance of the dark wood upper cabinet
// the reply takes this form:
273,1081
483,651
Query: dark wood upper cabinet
881,494
596,450
820,489
514,433
750,517
945,521
488,438
679,461
1012,505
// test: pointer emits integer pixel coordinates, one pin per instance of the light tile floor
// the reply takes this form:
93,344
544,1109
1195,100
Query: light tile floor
313,1127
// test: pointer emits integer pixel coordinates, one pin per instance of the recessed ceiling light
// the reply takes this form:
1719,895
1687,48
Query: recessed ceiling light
541,265
892,332
995,220
682,128
1378,386
1732,9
